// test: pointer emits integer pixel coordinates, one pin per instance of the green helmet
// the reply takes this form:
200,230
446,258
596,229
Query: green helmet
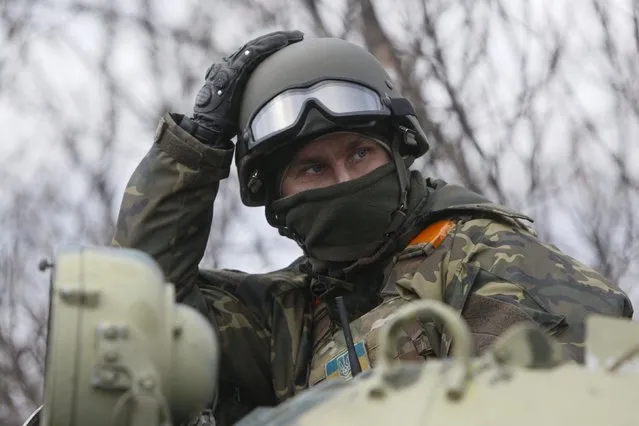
310,88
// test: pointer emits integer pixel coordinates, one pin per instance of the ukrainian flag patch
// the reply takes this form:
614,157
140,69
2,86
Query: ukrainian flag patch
339,367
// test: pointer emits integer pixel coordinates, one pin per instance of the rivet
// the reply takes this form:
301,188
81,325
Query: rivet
377,393
111,332
111,356
108,376
177,331
147,383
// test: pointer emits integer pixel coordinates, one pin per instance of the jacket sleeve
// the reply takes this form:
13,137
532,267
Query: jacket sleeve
167,206
166,212
514,276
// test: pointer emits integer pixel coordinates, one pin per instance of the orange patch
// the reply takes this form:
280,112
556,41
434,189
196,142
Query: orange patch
434,233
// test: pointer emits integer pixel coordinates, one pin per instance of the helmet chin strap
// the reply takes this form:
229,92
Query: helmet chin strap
403,137
402,175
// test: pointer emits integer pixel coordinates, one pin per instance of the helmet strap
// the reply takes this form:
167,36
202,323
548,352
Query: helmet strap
401,167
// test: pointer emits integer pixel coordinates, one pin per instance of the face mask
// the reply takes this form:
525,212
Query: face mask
347,221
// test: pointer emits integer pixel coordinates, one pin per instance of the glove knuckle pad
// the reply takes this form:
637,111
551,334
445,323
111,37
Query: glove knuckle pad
203,96
221,79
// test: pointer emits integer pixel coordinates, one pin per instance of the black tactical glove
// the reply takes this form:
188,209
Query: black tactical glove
217,104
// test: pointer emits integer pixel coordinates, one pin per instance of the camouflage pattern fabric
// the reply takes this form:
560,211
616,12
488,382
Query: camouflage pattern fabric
491,267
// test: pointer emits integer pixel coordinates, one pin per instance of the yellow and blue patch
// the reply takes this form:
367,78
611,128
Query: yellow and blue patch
339,367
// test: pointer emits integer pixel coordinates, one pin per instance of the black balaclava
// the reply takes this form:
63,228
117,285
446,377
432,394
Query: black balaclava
344,226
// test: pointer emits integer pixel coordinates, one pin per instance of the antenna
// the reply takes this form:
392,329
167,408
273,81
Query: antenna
356,368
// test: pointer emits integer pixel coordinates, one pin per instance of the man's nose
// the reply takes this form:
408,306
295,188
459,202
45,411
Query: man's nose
342,173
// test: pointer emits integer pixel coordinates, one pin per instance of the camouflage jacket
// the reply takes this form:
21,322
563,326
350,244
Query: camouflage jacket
490,266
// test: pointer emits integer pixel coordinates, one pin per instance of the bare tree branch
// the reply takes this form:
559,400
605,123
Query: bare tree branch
522,103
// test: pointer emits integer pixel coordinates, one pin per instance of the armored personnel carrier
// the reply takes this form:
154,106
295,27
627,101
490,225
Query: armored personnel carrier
121,352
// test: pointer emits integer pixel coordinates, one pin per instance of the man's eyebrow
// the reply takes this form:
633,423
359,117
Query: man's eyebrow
306,160
358,141
303,160
353,143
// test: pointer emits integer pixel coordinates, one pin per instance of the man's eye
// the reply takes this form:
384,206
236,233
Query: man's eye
360,153
313,169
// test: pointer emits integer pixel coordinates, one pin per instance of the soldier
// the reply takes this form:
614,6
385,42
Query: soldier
324,142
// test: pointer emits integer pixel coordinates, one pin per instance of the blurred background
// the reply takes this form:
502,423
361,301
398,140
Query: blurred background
534,103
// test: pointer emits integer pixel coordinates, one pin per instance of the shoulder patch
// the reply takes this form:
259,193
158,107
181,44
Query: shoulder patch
434,233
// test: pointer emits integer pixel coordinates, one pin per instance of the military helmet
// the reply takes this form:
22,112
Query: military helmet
310,88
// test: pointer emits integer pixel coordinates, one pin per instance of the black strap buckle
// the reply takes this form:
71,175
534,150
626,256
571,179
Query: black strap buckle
410,139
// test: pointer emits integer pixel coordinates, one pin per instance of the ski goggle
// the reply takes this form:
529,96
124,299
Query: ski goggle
337,98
